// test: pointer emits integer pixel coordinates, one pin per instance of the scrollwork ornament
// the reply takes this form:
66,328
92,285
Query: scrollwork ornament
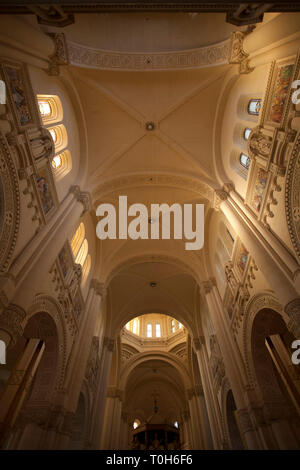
9,204
292,197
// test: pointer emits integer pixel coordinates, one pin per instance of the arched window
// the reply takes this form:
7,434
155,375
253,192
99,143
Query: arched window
134,327
247,132
254,107
157,330
51,112
179,325
173,326
80,248
149,330
77,239
128,326
245,161
86,269
175,424
82,253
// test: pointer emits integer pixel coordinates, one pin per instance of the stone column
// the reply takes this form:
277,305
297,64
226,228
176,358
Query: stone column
230,354
80,354
187,438
112,420
266,260
100,394
213,409
198,426
25,271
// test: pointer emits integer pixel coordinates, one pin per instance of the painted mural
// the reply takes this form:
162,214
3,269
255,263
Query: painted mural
44,189
17,89
259,189
242,258
281,88
64,261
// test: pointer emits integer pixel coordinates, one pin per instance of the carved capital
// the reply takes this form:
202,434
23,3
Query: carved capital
219,196
99,288
206,286
83,197
244,420
109,343
198,343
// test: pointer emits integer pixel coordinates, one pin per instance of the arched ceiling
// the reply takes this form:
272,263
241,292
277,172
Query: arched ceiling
154,376
130,294
149,32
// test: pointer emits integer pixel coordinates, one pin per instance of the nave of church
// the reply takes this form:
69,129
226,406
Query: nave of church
140,343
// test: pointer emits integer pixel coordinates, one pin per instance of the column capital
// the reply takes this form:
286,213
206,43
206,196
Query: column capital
99,288
198,343
109,343
82,196
206,286
220,195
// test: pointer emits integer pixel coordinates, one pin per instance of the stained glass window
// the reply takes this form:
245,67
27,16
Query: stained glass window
254,107
245,161
247,132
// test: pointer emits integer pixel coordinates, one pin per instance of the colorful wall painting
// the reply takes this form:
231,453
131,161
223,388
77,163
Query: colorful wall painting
44,189
17,89
280,92
259,189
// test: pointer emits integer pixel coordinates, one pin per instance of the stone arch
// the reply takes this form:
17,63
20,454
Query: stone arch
9,205
49,305
255,304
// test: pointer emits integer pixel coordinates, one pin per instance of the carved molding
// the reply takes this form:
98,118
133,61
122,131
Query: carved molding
43,303
83,56
60,56
82,196
9,204
11,320
292,309
237,54
292,197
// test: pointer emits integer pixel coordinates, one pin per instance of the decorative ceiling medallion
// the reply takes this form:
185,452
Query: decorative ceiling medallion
83,56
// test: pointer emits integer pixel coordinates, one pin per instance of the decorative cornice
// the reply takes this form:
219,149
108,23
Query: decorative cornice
292,197
83,56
